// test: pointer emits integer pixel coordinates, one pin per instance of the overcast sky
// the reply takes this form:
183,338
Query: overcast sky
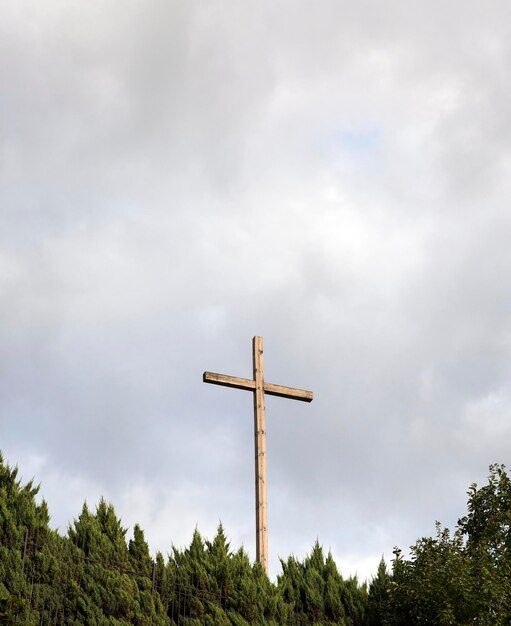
179,176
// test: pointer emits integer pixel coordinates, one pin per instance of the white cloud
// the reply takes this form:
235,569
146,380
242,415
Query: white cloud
176,178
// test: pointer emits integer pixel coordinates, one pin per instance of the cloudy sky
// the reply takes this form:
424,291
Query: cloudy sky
177,177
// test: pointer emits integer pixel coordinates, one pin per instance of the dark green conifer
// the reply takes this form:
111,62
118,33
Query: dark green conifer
378,599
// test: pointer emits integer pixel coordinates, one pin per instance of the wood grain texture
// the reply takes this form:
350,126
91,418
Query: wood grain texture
228,381
261,503
259,388
288,392
245,383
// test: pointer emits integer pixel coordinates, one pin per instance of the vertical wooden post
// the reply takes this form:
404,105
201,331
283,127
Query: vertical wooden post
260,455
258,387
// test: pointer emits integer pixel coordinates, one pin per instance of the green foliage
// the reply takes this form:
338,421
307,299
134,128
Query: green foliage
316,593
95,576
463,578
111,583
378,597
213,584
487,528
23,524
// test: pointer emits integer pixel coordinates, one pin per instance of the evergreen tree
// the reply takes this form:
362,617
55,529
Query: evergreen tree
111,585
139,557
378,598
94,576
217,559
316,593
23,527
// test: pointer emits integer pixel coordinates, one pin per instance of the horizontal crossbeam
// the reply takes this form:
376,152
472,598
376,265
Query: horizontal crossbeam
248,384
228,381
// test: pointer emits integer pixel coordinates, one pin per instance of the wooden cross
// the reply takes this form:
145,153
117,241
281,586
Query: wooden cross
258,387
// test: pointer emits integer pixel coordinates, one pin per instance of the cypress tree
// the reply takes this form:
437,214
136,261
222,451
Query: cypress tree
378,598
23,527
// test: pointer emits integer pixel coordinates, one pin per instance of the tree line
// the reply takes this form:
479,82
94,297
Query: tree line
94,575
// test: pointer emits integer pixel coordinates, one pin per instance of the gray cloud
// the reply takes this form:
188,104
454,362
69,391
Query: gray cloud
176,178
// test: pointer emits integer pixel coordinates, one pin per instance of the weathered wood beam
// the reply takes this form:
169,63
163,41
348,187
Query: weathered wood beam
288,392
269,388
228,381
258,387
